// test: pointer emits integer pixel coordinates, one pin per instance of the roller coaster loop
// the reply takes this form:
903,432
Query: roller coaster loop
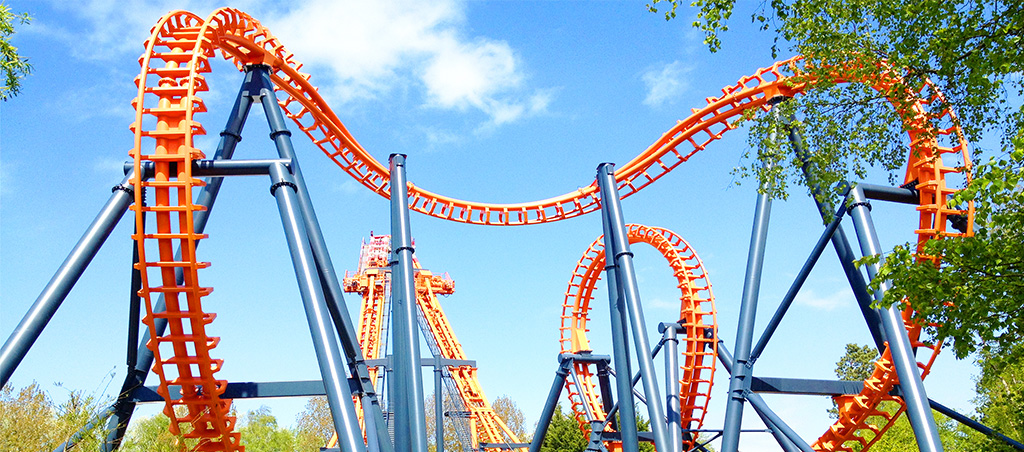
167,105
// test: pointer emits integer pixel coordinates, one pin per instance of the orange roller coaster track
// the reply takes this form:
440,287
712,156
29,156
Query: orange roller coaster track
169,84
696,315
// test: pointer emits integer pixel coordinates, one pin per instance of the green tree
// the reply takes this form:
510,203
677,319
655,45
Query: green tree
563,434
1000,395
970,51
450,434
510,413
150,434
856,364
314,425
27,419
15,67
260,432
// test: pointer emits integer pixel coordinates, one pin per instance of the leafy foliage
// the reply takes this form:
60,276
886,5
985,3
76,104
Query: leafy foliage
510,413
31,421
14,66
1000,391
563,434
262,434
314,425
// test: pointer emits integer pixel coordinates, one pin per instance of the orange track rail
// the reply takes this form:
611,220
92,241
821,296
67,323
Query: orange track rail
372,281
696,314
171,78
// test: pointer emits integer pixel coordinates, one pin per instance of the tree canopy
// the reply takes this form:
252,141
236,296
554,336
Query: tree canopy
967,50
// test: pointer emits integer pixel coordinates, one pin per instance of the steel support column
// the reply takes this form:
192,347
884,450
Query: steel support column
410,425
322,258
619,251
332,366
914,395
739,380
762,408
671,341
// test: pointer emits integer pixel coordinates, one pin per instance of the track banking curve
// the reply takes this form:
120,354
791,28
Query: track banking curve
176,56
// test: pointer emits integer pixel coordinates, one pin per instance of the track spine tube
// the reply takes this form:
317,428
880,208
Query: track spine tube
564,363
742,368
611,208
60,285
620,337
914,395
329,277
118,424
839,242
410,425
325,344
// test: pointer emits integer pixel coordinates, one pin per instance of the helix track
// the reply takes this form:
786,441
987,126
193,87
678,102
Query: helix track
170,80
696,315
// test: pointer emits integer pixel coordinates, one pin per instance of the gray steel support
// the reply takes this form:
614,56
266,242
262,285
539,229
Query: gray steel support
841,245
671,341
739,380
550,403
438,405
322,258
218,167
410,425
136,377
620,334
611,207
975,424
762,408
798,282
332,366
914,395
60,285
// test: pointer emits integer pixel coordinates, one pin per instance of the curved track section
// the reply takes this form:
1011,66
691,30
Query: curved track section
698,345
171,78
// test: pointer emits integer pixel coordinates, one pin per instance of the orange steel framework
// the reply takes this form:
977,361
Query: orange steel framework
372,281
696,315
169,85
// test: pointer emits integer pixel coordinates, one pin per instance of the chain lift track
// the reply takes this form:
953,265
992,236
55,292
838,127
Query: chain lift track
165,126
372,281
696,315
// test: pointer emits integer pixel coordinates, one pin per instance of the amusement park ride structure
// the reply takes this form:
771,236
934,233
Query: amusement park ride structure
371,370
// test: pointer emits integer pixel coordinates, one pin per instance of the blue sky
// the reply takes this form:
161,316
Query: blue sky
492,101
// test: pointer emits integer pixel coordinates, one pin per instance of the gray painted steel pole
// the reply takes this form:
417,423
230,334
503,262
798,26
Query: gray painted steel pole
60,285
325,267
914,395
94,422
620,344
550,403
332,366
740,375
438,405
136,377
631,293
780,437
675,431
408,378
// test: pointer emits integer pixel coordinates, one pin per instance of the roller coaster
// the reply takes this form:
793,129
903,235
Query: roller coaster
371,370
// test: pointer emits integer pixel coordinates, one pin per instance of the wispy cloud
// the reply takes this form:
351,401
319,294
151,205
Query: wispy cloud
810,298
665,83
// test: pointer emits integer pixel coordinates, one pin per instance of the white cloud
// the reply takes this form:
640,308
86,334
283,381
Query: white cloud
808,297
355,50
665,83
